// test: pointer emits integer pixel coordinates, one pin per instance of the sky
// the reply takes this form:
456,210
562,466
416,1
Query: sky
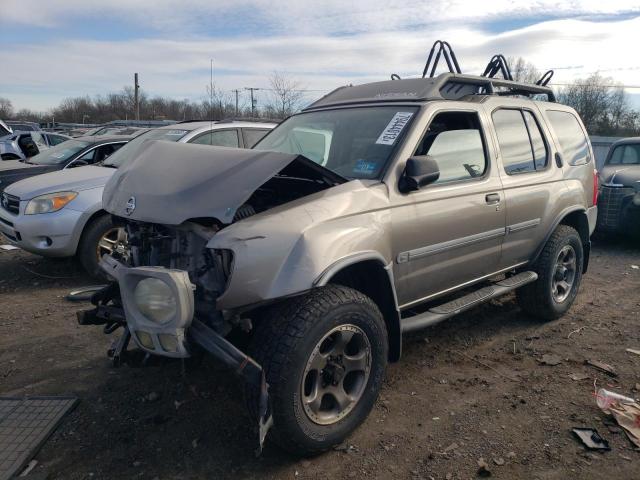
53,49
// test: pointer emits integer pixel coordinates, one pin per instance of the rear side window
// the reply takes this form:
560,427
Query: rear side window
252,136
625,155
218,138
573,142
521,143
454,140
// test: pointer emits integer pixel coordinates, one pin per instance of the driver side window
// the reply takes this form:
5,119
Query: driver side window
455,141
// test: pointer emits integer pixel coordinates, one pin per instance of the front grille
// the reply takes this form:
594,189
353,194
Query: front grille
610,202
10,203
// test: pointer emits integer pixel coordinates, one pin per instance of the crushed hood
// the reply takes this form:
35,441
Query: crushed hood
169,183
72,179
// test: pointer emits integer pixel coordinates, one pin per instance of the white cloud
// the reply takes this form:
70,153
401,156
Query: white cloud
309,16
40,76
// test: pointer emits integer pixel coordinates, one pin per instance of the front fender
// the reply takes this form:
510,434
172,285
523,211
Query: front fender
283,253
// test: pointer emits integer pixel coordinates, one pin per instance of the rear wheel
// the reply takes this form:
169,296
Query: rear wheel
101,237
559,270
324,356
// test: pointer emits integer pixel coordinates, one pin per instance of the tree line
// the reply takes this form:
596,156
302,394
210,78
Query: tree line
283,97
602,104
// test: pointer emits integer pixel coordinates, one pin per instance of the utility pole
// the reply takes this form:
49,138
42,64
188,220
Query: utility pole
253,101
236,91
136,97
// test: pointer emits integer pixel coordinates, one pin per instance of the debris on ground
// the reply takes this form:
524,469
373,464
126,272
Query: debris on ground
550,359
606,399
591,439
8,247
635,267
483,468
625,411
32,464
499,461
576,377
604,367
634,351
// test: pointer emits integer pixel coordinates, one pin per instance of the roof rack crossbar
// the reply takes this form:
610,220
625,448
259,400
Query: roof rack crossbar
489,85
444,49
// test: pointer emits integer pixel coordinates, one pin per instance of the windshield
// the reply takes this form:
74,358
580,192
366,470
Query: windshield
60,153
131,149
352,142
625,155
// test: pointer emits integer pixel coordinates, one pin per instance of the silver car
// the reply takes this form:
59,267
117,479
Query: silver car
20,144
60,214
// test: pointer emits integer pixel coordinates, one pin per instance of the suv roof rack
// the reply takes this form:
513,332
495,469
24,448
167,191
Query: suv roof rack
446,86
453,85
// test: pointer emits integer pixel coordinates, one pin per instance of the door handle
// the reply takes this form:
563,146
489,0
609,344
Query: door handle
492,198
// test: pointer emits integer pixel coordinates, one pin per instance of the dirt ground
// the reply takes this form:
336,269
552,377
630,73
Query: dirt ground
473,387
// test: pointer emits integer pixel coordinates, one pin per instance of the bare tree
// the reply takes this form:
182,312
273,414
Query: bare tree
286,94
523,71
6,108
604,108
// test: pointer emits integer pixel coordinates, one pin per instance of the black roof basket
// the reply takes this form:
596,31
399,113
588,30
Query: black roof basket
446,51
498,64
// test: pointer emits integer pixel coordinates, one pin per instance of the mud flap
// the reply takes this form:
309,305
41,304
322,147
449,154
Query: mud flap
244,366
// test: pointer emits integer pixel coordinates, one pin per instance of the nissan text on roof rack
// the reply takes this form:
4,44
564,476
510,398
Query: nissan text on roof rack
379,209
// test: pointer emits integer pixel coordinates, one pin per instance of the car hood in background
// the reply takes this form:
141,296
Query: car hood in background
169,183
626,175
73,179
13,165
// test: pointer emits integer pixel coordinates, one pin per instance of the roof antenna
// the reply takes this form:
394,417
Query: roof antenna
395,76
498,64
545,79
446,51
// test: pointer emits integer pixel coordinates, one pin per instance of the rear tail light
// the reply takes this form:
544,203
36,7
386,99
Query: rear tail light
595,187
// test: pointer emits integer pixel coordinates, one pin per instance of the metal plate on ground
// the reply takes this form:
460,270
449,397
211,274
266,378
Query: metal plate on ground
25,423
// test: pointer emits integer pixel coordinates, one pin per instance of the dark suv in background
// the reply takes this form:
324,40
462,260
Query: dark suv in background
619,200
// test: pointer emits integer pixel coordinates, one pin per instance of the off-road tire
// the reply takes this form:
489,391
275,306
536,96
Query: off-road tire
282,344
536,299
87,248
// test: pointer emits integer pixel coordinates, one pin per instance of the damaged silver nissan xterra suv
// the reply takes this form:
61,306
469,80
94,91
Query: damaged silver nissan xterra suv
378,210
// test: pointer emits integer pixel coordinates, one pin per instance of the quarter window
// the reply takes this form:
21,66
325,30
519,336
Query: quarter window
454,140
522,146
573,142
219,138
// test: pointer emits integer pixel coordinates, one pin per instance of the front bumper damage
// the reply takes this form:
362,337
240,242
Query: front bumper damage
114,308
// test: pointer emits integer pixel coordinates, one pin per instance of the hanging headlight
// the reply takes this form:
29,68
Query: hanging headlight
155,300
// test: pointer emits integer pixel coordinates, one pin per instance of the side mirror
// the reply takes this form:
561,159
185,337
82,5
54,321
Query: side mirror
418,172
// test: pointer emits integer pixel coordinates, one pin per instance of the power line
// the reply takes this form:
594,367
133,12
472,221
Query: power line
606,86
253,101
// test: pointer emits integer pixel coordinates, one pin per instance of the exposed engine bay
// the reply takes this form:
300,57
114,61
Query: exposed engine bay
184,246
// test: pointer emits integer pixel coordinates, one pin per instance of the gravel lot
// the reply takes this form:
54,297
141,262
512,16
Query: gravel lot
473,387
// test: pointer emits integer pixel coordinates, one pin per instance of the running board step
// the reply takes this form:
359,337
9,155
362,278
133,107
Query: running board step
446,310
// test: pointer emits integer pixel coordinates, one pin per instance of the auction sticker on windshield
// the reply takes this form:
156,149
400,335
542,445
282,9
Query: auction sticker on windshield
394,128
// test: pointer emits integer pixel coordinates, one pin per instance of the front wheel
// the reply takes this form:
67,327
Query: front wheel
101,237
559,270
324,355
